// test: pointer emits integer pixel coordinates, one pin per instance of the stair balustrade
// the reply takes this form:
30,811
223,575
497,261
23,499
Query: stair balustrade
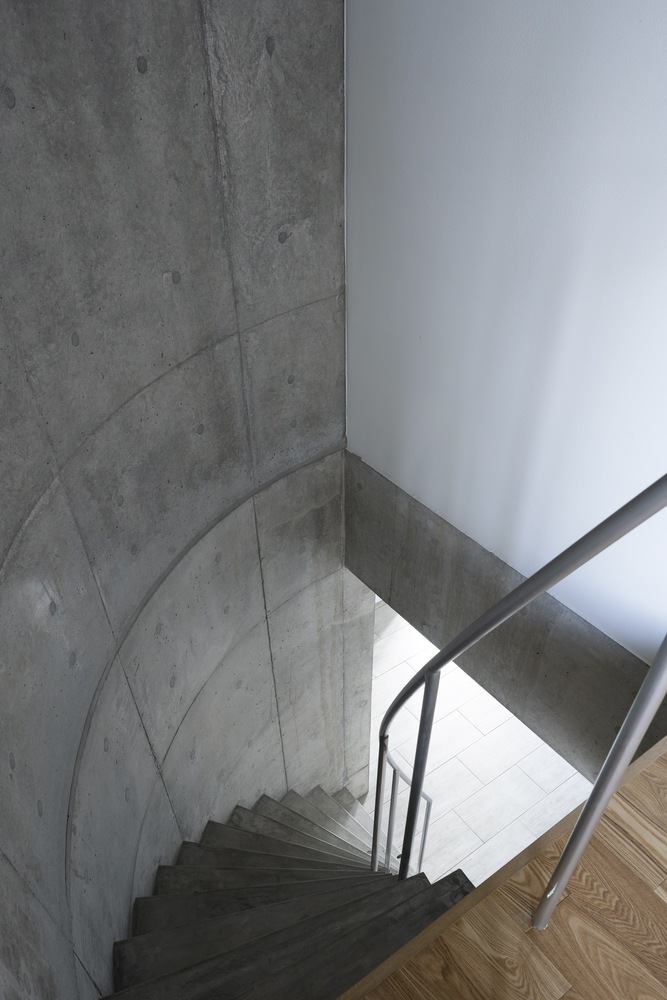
647,503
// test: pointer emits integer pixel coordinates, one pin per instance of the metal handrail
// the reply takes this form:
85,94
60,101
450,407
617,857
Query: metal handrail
642,712
398,772
631,515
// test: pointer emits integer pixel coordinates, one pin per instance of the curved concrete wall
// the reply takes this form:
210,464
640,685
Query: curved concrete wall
177,631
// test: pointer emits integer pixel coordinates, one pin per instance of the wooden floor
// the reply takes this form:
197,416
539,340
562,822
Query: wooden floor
606,941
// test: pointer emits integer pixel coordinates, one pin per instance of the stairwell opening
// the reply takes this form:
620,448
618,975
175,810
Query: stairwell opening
496,785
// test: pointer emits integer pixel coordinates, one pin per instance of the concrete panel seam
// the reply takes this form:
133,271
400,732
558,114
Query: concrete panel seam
158,766
132,621
165,374
325,453
88,556
246,412
218,133
159,778
30,892
268,632
288,312
219,141
78,959
187,711
31,513
314,579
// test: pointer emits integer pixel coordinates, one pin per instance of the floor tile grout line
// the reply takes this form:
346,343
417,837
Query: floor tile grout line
400,633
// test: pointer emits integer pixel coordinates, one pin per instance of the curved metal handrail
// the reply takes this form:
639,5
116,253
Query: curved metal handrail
631,515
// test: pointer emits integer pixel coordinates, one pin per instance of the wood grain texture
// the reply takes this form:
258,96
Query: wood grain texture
483,955
648,793
636,840
606,941
628,910
521,893
545,843
598,963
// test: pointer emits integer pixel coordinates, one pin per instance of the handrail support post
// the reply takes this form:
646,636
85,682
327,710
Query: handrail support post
379,799
423,740
392,819
647,702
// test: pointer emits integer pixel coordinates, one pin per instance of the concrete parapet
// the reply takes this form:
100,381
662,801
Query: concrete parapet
560,675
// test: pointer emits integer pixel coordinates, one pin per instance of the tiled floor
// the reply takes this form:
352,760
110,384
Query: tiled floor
496,786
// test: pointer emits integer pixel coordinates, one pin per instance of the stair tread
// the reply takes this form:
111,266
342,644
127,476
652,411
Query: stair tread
193,855
348,801
327,803
266,806
243,968
320,798
246,819
173,910
154,954
182,878
222,835
236,918
344,961
309,810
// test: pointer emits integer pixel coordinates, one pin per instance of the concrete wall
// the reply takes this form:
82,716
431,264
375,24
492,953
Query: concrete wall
177,631
564,678
507,205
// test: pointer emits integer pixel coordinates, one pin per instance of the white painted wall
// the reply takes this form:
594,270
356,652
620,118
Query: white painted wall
507,276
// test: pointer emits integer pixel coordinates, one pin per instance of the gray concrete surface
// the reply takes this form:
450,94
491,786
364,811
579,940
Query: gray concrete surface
560,675
36,958
278,107
295,370
298,529
310,682
171,343
217,589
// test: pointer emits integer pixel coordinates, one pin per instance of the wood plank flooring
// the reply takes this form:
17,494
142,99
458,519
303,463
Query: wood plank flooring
606,941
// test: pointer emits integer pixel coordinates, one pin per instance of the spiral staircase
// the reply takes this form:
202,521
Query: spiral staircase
279,902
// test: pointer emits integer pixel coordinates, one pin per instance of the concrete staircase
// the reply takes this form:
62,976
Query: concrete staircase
277,903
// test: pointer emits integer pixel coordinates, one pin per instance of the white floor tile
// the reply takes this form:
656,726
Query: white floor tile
403,727
449,840
387,686
421,658
449,785
449,737
386,620
500,749
397,647
455,690
485,712
547,768
557,804
496,852
499,803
